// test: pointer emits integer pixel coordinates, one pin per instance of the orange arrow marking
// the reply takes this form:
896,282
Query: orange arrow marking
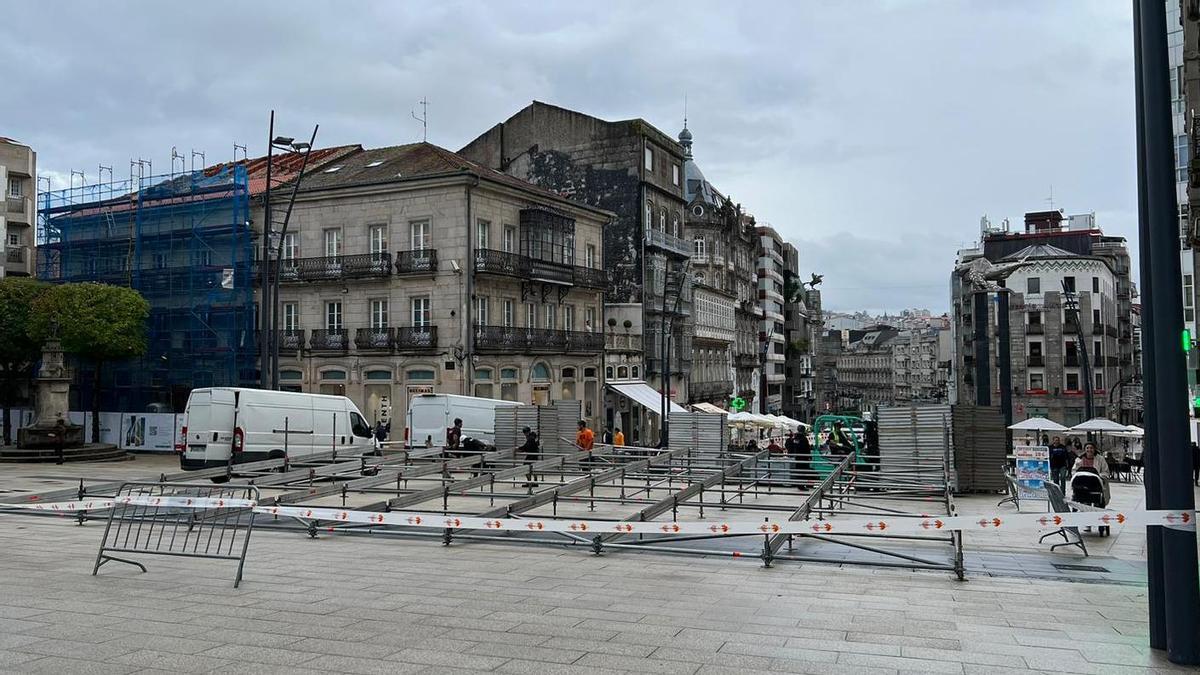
819,527
719,528
414,520
670,527
624,527
536,526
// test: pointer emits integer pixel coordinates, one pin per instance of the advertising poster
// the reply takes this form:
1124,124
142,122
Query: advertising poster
1033,469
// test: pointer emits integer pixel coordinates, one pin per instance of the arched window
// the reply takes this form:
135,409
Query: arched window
636,371
509,373
649,215
568,373
608,372
291,375
540,372
483,374
662,220
698,246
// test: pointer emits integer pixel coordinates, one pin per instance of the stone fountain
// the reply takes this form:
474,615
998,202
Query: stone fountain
38,442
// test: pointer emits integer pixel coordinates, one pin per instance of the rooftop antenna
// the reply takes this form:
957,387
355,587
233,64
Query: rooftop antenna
685,110
174,156
423,119
237,147
1051,197
203,161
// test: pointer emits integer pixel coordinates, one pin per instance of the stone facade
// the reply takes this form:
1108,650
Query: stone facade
634,170
865,370
724,349
18,184
1047,359
410,270
915,366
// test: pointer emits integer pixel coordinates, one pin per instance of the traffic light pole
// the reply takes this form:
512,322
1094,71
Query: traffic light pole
1175,603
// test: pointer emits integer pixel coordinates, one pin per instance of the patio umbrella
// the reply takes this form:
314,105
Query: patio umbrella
1038,424
1099,425
1135,430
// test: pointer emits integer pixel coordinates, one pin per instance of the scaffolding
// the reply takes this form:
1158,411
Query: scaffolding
184,242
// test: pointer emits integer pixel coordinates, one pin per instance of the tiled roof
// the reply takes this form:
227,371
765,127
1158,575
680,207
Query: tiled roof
1041,251
397,163
284,166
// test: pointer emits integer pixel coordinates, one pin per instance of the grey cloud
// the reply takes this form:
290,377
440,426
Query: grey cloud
857,129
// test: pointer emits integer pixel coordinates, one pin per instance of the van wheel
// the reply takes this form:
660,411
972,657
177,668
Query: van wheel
219,479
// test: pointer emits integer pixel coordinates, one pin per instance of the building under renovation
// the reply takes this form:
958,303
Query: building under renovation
184,242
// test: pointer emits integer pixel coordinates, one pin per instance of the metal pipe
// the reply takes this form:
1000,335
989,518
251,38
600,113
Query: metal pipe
1163,309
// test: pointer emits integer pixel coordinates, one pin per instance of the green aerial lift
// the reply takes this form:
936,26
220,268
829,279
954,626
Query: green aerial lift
823,461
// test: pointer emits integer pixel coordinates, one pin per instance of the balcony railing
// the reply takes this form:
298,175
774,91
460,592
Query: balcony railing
1071,360
416,338
710,389
291,339
518,340
667,242
501,262
16,254
15,205
375,339
1036,360
329,340
336,268
544,270
417,262
1035,329
589,277
746,360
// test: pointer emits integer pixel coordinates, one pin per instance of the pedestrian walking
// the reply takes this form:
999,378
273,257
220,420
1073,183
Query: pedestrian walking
1060,463
619,438
585,438
531,451
454,435
381,431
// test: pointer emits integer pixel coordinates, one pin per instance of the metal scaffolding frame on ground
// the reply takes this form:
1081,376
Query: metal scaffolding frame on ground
184,242
617,485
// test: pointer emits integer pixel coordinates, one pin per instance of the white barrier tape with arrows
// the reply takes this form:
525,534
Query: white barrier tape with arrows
882,525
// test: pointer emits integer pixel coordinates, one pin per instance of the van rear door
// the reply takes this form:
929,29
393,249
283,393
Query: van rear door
210,414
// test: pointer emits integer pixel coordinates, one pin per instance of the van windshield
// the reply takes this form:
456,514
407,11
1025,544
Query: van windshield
359,426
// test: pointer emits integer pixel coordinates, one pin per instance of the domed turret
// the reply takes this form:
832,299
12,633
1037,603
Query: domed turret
685,139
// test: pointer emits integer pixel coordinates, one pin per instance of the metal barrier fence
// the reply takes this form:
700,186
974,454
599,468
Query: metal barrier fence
183,531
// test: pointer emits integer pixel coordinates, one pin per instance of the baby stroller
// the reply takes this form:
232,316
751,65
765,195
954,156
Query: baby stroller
1088,488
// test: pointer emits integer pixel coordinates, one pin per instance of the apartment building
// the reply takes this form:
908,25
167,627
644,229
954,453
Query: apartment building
772,332
723,250
1070,320
634,170
411,270
18,180
866,369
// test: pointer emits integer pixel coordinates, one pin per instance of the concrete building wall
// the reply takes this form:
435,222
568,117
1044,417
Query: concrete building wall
18,211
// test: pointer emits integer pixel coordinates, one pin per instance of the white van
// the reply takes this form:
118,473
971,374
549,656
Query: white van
430,415
257,424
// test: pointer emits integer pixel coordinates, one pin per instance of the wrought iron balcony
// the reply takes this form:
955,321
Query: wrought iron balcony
1071,360
512,339
291,339
501,262
375,339
1035,329
584,342
710,389
417,262
589,277
329,340
15,254
416,338
667,242
1036,360
336,268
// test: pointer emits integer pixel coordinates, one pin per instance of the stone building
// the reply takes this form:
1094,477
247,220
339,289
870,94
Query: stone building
916,365
802,323
1048,347
865,370
723,249
18,181
412,270
634,170
772,333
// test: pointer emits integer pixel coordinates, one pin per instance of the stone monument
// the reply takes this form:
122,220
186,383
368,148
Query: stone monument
52,401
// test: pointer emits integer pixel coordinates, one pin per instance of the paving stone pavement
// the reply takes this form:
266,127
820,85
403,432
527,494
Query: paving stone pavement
366,605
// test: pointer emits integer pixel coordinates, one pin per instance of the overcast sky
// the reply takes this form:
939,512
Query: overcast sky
872,135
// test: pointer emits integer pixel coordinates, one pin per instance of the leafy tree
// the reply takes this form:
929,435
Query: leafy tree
19,349
97,323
